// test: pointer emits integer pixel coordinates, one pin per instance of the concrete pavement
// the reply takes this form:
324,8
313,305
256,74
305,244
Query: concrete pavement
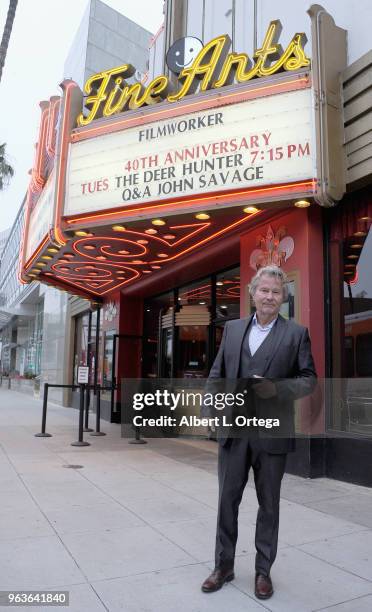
125,527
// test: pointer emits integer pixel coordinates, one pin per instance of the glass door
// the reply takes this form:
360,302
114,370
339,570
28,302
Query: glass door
192,351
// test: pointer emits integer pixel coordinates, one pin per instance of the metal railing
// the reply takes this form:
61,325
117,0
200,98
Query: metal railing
83,409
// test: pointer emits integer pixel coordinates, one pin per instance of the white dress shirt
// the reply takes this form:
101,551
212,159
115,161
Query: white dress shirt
258,333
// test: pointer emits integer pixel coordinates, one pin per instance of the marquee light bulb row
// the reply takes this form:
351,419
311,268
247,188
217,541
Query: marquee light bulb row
201,216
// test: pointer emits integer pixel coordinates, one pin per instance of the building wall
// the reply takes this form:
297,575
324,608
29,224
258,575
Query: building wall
354,18
106,39
247,26
52,359
306,265
75,63
3,238
11,290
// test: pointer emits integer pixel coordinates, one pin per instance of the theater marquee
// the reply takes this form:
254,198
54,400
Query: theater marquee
267,141
145,175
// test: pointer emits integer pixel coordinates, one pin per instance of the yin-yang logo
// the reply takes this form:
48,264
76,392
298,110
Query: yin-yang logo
182,53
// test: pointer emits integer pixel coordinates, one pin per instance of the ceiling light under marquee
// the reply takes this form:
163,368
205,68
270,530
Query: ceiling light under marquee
82,233
251,210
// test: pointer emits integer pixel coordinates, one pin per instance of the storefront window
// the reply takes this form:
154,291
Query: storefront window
199,293
157,317
108,359
358,307
228,294
80,343
182,327
39,336
350,261
192,351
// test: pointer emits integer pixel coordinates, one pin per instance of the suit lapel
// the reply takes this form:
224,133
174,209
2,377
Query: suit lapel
279,330
239,340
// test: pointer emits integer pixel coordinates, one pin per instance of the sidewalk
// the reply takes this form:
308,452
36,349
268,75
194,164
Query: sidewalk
133,527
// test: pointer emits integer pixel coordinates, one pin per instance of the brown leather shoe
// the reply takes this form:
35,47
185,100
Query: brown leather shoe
263,586
217,579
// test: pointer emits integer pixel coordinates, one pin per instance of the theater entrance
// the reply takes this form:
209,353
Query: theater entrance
183,327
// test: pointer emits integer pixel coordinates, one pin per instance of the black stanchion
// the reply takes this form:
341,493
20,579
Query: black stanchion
87,400
42,434
98,431
137,439
80,441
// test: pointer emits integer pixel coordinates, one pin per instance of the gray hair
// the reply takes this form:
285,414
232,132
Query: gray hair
274,271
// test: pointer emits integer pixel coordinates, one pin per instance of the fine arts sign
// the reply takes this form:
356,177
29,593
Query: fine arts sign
108,93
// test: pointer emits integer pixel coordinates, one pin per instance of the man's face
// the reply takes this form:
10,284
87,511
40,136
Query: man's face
268,297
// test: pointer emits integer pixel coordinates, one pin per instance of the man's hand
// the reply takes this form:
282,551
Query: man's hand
265,389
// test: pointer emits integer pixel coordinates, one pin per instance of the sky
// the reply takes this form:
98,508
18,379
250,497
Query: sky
42,34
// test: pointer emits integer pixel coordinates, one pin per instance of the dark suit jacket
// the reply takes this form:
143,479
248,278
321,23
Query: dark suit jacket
290,361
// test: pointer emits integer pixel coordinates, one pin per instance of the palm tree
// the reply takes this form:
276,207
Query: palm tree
7,32
6,170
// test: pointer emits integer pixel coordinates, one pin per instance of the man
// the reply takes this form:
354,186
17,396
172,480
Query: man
264,345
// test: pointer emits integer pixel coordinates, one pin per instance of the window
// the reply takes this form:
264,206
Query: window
228,294
350,256
183,328
80,343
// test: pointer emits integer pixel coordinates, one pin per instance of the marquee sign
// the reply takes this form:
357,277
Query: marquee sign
40,220
265,141
108,93
97,191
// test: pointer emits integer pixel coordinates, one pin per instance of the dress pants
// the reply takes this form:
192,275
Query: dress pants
235,459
